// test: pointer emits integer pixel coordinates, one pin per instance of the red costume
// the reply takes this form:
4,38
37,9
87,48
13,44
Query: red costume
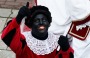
18,44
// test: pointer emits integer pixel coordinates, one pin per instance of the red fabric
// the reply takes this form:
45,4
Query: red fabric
80,34
82,21
16,44
66,53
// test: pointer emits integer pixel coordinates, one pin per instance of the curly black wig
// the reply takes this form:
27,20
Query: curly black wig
35,10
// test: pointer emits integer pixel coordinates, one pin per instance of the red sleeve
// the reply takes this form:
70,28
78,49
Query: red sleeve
17,39
10,26
65,54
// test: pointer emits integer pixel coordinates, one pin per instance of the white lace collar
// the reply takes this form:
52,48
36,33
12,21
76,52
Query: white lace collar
41,47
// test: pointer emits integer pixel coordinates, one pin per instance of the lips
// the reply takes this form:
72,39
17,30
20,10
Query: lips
41,27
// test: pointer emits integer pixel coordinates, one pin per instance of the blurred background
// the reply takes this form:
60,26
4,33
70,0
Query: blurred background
9,10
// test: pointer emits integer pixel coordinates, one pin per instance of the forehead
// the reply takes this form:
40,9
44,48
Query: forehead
40,16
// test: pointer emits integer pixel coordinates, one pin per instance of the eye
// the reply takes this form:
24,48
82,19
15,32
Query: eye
44,20
36,20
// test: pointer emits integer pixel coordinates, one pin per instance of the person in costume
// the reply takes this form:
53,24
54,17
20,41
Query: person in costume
68,13
38,42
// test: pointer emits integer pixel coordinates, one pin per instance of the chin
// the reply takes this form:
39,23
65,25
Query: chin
42,31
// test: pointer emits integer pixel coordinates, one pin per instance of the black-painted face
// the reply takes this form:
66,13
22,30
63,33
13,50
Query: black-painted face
40,25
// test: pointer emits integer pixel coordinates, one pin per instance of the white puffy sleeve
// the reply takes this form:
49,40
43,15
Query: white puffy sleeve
78,9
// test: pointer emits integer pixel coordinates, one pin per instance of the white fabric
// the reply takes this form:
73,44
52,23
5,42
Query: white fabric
78,9
82,48
41,47
65,11
57,8
22,25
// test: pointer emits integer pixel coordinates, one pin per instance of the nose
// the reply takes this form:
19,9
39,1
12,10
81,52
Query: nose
41,22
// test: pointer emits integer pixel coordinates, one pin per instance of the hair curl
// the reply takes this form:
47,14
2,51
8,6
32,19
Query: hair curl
35,10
